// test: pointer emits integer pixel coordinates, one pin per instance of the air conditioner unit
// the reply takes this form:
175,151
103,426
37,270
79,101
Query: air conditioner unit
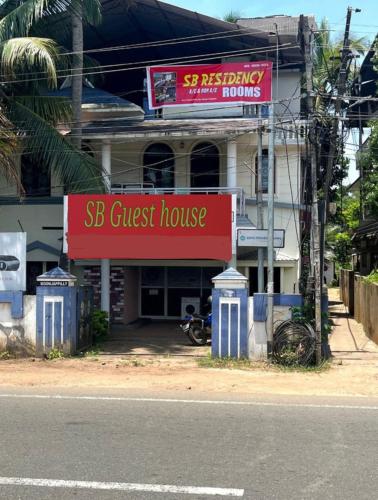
186,302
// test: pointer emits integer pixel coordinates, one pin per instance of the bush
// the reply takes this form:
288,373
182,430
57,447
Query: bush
99,323
55,354
372,277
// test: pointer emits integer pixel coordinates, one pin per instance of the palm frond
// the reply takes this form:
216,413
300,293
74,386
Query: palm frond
91,11
17,18
20,55
8,145
78,171
54,110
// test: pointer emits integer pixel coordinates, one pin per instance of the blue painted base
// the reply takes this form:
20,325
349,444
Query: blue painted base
56,320
229,336
260,302
16,300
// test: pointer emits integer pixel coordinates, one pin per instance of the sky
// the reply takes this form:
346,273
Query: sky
363,24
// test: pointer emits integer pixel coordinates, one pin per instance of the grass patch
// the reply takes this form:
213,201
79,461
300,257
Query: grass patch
4,355
55,354
247,364
226,362
323,367
94,351
136,362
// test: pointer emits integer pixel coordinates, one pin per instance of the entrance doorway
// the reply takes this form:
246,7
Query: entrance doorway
164,289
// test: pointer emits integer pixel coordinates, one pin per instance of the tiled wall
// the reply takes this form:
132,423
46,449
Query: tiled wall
92,276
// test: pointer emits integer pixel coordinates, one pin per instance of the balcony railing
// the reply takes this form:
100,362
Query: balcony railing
147,188
292,133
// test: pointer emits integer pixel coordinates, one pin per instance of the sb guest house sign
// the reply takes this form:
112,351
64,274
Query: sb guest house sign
247,82
149,226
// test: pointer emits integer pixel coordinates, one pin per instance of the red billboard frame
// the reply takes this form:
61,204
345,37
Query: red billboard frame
194,85
149,226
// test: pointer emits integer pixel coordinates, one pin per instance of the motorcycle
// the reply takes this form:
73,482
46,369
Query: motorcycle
198,328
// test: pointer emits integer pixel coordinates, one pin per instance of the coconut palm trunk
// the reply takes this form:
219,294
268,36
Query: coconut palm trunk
77,73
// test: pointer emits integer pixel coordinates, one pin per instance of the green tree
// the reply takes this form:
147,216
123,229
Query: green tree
341,227
29,65
369,164
327,62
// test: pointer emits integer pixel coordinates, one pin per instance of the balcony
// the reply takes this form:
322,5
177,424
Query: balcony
292,133
147,188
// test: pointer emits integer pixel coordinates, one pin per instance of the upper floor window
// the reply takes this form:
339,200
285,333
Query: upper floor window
159,163
265,171
35,176
204,165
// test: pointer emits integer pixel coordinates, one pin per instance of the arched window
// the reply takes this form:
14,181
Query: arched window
35,176
204,165
159,163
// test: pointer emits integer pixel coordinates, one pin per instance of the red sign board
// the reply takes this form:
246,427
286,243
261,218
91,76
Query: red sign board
248,82
149,227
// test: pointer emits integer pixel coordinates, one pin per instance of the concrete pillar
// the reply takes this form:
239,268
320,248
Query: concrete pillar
106,163
232,183
105,285
230,334
105,263
231,164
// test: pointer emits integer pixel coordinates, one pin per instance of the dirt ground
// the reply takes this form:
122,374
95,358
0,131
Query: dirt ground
358,377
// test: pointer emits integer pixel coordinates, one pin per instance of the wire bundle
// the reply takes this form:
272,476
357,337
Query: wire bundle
294,343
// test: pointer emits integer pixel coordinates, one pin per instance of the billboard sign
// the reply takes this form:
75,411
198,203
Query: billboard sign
12,261
259,238
149,226
243,83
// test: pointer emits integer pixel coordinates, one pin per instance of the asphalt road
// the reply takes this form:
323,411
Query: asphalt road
124,447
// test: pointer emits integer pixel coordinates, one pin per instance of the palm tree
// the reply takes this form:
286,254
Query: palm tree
327,63
232,16
29,66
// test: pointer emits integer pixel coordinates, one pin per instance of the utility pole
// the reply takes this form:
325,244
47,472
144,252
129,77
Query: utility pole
315,225
360,162
271,162
340,86
259,200
270,230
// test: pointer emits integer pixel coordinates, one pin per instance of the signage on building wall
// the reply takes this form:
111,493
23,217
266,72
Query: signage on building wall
149,226
243,83
12,261
259,238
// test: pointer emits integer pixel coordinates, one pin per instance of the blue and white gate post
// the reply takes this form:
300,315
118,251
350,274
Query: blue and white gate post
56,312
229,337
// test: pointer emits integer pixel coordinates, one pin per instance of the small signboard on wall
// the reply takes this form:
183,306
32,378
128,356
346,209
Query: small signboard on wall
12,261
259,238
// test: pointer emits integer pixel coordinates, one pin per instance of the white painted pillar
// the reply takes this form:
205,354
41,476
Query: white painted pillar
231,164
232,183
105,285
106,163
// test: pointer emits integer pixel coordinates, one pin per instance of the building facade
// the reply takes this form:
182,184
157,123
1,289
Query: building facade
209,150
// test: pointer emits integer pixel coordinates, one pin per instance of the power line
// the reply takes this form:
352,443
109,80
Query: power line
121,67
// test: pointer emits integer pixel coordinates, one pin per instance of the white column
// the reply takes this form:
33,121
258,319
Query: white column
232,183
106,164
105,285
231,164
